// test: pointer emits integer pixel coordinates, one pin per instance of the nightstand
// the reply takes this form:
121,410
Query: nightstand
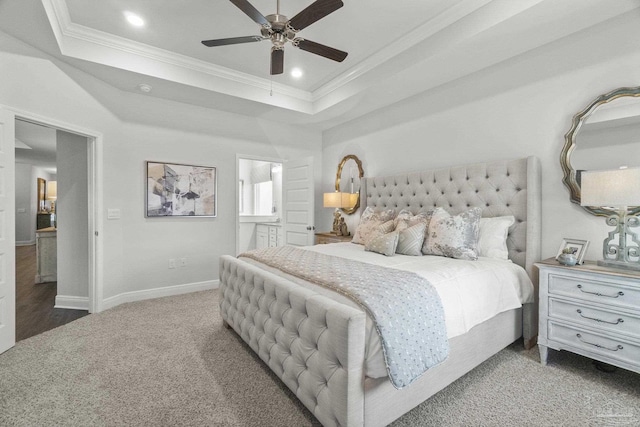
323,238
590,310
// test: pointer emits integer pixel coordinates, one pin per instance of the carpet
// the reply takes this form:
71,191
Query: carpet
169,362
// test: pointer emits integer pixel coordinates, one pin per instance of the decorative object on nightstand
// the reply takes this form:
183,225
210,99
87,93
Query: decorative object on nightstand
590,310
324,238
572,251
338,200
619,189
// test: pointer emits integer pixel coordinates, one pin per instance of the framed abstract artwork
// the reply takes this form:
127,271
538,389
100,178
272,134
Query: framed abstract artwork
180,190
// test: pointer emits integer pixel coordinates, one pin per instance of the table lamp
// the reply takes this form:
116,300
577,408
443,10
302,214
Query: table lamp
617,189
52,194
338,200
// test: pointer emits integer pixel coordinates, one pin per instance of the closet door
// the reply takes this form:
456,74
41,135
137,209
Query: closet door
298,202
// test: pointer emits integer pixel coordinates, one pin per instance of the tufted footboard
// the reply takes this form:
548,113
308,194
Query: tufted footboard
314,344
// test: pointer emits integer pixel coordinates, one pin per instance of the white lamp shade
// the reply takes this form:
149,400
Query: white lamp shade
613,188
337,200
52,190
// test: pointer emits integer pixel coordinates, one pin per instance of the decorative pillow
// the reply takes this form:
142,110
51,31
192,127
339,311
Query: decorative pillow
492,240
384,244
410,239
453,236
406,219
369,221
383,228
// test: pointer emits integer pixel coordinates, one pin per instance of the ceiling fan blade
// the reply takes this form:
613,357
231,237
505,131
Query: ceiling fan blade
251,12
314,12
277,61
320,49
232,40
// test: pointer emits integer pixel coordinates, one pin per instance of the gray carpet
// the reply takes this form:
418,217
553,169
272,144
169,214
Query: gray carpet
169,362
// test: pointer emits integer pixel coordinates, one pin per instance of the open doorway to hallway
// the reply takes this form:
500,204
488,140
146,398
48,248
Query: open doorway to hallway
51,228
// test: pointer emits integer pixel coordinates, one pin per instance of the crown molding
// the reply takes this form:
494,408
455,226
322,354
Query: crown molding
74,39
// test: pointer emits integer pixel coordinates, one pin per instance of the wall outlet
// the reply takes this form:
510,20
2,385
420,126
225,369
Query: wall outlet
183,262
172,263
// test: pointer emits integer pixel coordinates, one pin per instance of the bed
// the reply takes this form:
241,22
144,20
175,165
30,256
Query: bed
282,320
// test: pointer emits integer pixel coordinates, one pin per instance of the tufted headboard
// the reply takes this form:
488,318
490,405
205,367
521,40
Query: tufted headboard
509,187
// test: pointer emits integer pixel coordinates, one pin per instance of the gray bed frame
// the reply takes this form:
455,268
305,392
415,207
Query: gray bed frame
316,345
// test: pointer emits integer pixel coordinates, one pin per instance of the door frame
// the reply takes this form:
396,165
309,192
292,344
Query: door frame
237,186
95,197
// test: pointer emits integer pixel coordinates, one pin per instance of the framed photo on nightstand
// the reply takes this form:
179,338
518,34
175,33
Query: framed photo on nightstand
574,246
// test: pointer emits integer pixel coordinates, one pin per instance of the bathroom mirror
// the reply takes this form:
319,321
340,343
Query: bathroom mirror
605,135
348,178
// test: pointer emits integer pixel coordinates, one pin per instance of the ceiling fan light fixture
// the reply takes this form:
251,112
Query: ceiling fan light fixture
134,19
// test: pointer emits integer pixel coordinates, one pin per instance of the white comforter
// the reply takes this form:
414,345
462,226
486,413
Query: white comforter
471,291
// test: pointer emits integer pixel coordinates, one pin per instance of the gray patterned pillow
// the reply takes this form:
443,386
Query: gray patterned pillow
410,239
453,236
384,228
384,244
406,219
369,222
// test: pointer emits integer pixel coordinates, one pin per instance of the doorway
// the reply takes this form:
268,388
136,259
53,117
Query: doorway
51,262
74,214
259,202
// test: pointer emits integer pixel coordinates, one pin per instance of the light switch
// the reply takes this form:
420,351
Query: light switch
113,213
22,210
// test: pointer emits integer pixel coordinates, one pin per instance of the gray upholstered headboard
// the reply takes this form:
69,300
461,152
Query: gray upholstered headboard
508,187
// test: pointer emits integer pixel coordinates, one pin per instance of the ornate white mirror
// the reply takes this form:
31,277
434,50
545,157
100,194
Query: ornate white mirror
348,178
605,135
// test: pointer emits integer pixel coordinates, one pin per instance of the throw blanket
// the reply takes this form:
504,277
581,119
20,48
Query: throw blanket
405,308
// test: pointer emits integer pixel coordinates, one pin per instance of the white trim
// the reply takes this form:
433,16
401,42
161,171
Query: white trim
166,291
26,243
95,179
71,302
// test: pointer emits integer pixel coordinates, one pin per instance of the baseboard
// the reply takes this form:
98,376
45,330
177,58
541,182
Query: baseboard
158,293
74,303
25,243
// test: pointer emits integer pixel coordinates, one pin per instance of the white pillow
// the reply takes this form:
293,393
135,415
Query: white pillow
492,241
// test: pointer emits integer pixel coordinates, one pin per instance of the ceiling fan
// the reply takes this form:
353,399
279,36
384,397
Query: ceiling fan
280,30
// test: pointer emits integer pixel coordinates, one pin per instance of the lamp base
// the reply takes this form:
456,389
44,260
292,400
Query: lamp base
619,264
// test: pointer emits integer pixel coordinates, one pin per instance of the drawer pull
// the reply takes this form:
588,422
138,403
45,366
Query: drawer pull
619,294
599,320
619,347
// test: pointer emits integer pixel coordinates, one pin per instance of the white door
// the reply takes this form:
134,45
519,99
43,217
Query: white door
298,202
7,232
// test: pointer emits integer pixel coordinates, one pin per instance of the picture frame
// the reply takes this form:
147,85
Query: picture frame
180,190
579,248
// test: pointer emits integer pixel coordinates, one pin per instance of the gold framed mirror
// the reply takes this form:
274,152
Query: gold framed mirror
350,173
602,136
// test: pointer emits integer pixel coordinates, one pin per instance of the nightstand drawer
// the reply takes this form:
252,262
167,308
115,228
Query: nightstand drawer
595,343
605,320
609,293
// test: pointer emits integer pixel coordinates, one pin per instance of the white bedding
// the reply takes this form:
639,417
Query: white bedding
471,291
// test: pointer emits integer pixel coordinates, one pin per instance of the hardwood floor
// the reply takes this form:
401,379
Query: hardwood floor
34,302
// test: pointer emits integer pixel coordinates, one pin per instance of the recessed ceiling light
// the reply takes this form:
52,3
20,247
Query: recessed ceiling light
296,73
134,19
144,87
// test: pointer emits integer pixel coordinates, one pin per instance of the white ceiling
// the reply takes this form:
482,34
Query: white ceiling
396,49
